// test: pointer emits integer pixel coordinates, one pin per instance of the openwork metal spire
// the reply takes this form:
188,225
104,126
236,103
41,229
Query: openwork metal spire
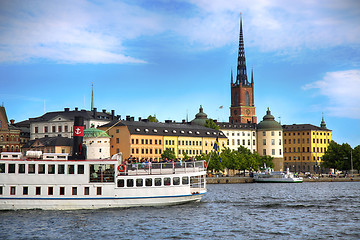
241,66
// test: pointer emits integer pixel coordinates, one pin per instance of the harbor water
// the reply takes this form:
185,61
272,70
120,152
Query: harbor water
326,210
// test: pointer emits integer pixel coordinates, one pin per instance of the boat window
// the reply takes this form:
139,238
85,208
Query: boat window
130,182
167,181
12,190
62,190
121,183
50,190
71,169
98,191
25,190
74,190
51,169
148,182
2,168
21,168
41,169
38,190
61,169
157,181
185,180
86,191
1,190
139,182
11,168
176,181
31,168
81,169
102,173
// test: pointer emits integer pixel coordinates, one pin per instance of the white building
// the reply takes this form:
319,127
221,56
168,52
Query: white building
269,138
97,144
61,123
239,134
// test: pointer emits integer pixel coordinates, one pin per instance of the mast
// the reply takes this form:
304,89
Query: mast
92,97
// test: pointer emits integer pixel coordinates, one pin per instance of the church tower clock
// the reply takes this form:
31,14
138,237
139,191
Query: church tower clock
242,108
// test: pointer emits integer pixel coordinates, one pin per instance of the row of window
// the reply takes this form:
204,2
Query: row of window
243,142
146,151
272,133
149,182
307,141
53,129
273,152
299,158
26,190
238,134
272,141
307,133
11,138
317,149
41,168
143,141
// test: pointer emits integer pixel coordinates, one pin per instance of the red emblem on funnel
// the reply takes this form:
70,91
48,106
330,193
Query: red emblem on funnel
78,131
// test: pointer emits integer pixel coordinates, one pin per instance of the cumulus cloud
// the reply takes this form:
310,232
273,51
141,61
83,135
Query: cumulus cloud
342,89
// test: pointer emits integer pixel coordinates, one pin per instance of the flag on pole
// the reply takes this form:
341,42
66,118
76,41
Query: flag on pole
217,147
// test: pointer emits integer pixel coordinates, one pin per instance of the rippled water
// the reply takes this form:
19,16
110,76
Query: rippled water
228,211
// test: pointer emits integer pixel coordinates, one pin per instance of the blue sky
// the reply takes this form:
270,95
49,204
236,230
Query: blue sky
169,57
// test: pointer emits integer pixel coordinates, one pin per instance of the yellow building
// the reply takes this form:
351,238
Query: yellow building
304,146
148,140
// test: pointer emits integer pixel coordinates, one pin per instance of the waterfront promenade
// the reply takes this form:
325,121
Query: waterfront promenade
221,180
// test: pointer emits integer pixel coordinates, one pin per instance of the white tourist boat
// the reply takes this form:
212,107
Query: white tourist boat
54,182
270,176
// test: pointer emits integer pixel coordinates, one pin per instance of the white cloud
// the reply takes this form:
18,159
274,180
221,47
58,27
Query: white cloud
342,89
99,31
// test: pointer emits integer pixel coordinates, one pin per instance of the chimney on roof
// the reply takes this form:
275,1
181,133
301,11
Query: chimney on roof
12,121
128,118
66,109
132,119
112,114
104,110
139,119
145,120
94,112
76,109
168,121
183,121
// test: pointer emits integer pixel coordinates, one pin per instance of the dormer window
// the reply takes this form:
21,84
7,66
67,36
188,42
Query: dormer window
174,131
207,133
138,129
182,131
166,131
146,130
197,133
155,130
190,132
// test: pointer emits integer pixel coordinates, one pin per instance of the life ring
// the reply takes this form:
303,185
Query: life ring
121,168
205,164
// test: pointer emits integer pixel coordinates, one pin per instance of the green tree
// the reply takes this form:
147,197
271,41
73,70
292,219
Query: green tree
331,155
169,154
265,161
356,158
185,156
211,124
152,118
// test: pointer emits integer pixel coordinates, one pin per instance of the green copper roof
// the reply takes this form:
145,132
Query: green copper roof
93,132
269,123
200,118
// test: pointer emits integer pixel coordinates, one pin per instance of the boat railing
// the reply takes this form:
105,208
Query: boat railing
148,168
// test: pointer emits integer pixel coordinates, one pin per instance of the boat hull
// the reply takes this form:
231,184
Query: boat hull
95,203
279,180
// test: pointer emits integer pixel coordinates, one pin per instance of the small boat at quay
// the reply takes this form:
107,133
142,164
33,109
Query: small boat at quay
270,176
60,182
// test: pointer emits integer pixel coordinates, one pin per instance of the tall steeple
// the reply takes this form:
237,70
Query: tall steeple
242,109
241,76
92,97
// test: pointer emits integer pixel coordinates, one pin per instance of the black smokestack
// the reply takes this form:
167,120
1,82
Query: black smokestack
79,151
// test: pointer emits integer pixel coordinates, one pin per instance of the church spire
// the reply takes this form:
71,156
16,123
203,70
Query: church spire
322,124
241,66
92,97
232,79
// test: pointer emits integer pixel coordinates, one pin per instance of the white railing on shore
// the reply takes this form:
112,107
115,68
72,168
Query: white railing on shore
148,168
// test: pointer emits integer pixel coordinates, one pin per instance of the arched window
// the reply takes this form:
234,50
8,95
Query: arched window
247,99
236,99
